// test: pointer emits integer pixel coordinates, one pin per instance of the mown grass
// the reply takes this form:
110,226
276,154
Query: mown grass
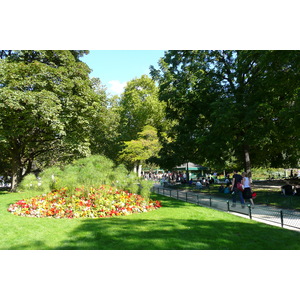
177,225
269,196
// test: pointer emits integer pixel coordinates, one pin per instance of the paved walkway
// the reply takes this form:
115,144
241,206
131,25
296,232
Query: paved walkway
261,213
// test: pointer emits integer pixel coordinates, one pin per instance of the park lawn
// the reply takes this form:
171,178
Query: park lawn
177,225
270,196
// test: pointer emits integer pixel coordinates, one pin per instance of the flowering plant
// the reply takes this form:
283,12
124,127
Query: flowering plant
104,201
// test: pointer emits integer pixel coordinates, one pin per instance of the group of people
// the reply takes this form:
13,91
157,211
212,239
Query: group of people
173,177
289,190
232,187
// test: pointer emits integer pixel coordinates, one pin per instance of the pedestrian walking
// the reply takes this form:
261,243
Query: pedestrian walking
247,193
237,178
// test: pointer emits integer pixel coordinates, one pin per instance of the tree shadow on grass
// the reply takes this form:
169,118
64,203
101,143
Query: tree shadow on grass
187,229
34,245
170,234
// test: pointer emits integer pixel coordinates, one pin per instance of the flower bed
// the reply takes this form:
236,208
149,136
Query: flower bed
104,201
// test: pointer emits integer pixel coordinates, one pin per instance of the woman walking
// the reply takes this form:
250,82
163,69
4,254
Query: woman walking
237,178
247,193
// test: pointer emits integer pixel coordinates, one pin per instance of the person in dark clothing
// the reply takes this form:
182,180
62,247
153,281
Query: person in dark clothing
235,191
287,190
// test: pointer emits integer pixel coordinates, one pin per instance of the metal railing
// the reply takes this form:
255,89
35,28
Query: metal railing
286,218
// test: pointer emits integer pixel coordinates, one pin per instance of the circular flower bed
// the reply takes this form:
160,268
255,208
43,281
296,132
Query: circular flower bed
104,201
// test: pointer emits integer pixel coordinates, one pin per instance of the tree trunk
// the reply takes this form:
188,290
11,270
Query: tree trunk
15,172
247,161
135,167
139,169
187,172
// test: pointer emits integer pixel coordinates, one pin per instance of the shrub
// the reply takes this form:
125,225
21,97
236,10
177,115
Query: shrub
89,172
145,188
30,182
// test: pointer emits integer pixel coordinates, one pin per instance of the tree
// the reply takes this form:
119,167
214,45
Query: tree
46,101
138,151
139,106
105,135
235,107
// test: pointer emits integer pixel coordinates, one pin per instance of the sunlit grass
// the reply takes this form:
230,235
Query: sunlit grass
269,196
177,225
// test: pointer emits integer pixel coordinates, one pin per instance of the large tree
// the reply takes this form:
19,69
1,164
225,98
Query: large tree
46,101
139,106
105,135
235,107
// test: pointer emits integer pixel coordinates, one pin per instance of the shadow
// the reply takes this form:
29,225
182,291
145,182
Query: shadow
3,192
190,228
177,234
36,245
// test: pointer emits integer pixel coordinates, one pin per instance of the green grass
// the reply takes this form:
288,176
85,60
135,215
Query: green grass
268,196
177,225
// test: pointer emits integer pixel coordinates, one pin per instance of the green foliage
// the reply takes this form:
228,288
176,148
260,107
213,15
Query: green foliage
145,188
139,106
30,183
265,173
104,133
230,104
146,146
46,106
47,181
89,172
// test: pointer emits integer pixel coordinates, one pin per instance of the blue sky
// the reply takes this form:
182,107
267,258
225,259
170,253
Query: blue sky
116,67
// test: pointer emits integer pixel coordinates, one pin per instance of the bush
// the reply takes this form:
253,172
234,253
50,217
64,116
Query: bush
145,188
31,183
92,171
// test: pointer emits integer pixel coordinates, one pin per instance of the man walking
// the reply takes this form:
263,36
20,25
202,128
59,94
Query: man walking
235,191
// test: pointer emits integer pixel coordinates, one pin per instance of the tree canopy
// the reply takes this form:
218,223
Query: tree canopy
46,101
226,109
233,108
139,106
146,146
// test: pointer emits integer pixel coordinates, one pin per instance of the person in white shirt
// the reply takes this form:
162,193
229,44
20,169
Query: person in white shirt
247,193
199,185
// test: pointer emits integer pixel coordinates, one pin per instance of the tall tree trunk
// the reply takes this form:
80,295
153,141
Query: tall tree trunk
139,169
15,172
247,161
187,172
135,167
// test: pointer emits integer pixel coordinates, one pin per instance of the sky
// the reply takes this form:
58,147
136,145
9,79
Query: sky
116,67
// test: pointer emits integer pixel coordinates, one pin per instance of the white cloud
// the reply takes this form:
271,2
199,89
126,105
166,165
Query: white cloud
116,87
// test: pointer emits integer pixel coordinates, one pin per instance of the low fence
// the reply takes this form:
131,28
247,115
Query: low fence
285,218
